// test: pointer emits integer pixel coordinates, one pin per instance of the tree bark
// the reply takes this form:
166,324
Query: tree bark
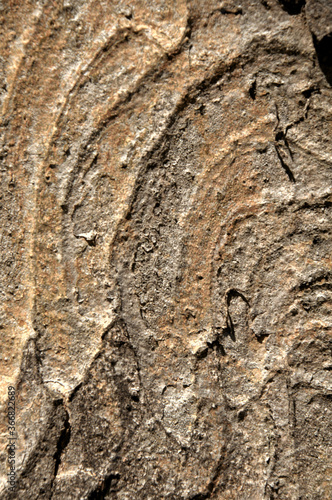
166,248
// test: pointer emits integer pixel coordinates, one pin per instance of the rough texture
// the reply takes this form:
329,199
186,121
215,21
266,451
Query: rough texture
166,248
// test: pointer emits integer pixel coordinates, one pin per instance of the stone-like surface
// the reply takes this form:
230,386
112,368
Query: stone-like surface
166,248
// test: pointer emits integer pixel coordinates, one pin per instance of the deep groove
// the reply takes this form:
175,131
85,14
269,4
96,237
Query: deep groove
252,90
285,166
104,487
324,51
62,443
293,7
230,294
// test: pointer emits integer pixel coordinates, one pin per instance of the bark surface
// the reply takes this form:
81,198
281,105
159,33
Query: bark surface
166,248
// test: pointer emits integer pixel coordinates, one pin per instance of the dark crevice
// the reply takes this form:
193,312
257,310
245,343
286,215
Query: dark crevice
281,136
62,443
230,294
215,344
237,11
310,91
293,7
190,27
315,282
252,90
324,51
285,166
104,487
242,415
75,391
323,202
261,337
265,4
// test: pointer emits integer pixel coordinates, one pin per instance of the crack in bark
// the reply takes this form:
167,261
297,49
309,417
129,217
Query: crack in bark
62,444
229,295
284,165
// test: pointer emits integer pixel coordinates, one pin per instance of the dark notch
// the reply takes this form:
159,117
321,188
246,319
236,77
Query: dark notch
104,487
230,294
62,443
293,7
252,90
285,166
324,55
236,11
265,4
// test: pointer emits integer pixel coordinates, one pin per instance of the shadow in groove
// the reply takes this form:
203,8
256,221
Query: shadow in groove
324,55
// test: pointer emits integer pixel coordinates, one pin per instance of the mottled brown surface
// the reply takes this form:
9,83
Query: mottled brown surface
166,248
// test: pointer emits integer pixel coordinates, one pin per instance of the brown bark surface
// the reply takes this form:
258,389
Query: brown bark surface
165,248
